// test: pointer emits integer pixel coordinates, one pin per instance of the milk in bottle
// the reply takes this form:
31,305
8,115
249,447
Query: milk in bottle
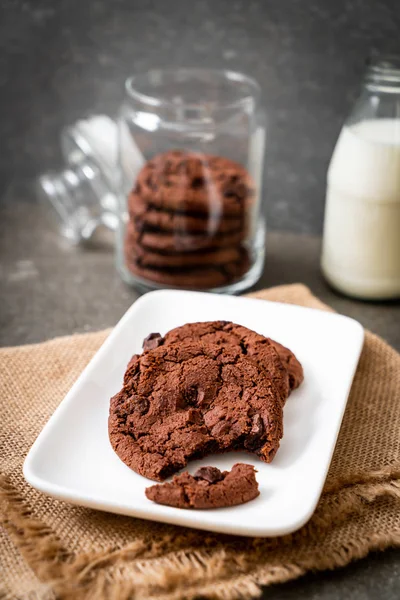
361,242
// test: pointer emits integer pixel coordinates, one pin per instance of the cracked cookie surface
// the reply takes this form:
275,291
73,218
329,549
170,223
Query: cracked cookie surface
208,488
183,401
251,343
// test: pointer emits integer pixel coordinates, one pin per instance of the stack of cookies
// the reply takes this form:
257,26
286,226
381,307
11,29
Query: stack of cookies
188,220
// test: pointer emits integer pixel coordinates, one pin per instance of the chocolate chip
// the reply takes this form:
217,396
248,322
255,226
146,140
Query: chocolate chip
210,474
257,429
238,429
153,340
141,405
194,396
197,183
229,193
235,190
190,395
243,347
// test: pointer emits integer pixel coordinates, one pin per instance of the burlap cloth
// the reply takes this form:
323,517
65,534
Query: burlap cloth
50,549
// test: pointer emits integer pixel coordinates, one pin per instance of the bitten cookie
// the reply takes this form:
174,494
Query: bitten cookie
186,400
208,488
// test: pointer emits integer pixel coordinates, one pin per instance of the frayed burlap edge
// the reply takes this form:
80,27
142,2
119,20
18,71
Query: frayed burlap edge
134,571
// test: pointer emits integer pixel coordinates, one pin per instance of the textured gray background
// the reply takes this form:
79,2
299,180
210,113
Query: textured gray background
62,59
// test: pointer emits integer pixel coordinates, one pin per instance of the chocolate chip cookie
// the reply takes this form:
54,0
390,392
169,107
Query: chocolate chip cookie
183,401
200,277
155,260
177,243
208,488
146,215
249,342
195,183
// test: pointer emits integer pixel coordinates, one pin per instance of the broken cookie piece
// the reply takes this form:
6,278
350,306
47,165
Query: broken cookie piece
208,488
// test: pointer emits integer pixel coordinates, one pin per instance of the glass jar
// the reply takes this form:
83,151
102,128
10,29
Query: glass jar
361,240
191,146
177,175
83,193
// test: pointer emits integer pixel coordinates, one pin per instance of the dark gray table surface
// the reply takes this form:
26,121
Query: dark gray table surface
48,288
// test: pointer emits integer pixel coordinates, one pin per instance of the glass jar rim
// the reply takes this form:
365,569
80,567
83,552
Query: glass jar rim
383,72
133,89
383,61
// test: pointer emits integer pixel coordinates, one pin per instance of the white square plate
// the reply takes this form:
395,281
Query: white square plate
72,458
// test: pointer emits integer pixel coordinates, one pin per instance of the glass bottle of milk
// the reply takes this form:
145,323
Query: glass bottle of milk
361,241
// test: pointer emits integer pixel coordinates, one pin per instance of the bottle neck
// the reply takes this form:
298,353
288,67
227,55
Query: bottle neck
82,198
383,75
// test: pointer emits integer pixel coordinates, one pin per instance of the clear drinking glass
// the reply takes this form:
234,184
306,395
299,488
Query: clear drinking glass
191,150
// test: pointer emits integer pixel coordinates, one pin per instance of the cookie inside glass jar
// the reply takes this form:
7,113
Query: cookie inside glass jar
188,220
